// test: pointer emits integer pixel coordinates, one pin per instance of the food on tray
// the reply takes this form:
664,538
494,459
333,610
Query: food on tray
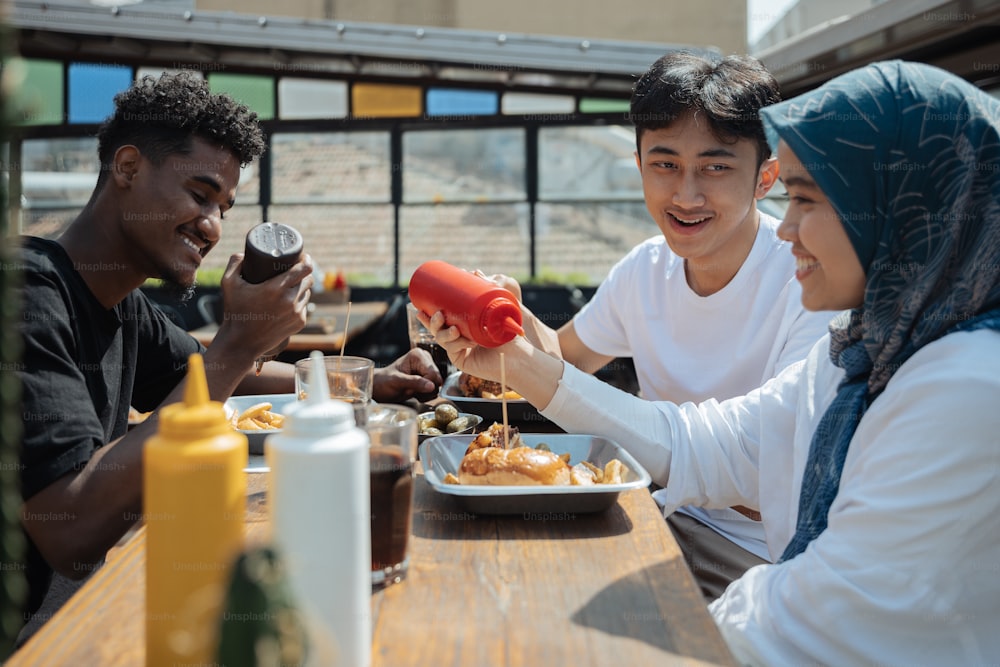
521,466
474,387
487,462
586,473
446,419
257,417
494,437
135,417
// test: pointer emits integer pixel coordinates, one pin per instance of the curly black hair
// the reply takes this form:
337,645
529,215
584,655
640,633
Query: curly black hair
162,116
729,91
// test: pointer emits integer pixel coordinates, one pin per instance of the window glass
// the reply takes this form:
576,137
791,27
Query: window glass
330,167
525,103
257,92
579,243
587,162
58,173
356,239
371,100
238,221
494,238
445,102
248,189
600,105
46,223
463,165
311,98
92,89
38,100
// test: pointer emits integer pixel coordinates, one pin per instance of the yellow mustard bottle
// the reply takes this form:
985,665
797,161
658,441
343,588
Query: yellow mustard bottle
194,502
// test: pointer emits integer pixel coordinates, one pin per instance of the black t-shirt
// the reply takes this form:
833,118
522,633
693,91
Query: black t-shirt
83,365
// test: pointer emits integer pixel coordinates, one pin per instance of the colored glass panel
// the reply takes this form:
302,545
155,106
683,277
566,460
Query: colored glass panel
599,105
311,98
38,99
445,102
523,103
257,92
92,89
386,101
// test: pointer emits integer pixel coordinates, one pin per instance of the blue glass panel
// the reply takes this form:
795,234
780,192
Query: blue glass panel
92,88
445,102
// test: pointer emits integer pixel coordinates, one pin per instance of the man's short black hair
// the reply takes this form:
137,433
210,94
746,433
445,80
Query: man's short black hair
162,116
728,92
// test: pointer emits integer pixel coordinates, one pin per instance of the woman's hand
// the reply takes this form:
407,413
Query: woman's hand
540,334
504,281
466,354
527,369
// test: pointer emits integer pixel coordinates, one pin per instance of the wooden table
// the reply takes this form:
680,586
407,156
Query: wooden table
363,315
599,589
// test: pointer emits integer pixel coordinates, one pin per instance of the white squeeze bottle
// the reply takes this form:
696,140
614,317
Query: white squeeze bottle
321,521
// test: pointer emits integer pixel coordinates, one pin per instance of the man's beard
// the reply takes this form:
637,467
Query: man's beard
182,293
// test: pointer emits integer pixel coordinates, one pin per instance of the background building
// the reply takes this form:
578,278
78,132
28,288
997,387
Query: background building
720,24
815,41
806,15
391,143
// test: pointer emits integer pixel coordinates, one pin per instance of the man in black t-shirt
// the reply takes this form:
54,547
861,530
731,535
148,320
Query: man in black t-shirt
170,157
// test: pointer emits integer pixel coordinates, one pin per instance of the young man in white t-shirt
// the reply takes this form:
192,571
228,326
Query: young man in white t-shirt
710,308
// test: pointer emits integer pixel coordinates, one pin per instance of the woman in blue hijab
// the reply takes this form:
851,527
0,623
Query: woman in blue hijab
875,462
907,157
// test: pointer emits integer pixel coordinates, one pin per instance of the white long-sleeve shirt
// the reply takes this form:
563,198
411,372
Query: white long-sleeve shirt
908,569
689,347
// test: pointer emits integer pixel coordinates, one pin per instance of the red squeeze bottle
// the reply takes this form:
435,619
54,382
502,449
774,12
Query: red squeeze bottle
482,311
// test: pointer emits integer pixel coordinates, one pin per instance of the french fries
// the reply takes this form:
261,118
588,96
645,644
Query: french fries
614,472
257,418
586,473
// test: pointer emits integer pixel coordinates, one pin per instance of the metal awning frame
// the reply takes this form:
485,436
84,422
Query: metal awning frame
212,41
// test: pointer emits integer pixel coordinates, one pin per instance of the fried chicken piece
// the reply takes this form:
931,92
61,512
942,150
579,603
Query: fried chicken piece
473,387
493,437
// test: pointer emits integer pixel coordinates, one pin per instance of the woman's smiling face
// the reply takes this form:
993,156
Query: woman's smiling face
827,265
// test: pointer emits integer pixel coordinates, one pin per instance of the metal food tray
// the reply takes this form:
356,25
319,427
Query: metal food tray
279,404
520,412
443,454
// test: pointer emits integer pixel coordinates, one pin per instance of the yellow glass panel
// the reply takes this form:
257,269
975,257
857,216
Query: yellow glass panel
386,101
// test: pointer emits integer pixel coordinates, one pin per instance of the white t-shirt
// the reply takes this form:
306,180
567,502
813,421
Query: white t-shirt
687,347
906,572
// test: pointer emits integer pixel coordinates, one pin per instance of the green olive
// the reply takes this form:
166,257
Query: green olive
445,413
543,447
433,430
459,424
426,423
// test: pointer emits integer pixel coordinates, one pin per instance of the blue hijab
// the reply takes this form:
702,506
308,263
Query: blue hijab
909,157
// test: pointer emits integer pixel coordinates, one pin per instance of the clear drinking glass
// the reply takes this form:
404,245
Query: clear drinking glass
351,379
393,433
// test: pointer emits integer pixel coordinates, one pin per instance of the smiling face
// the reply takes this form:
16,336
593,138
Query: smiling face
827,265
702,192
172,212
